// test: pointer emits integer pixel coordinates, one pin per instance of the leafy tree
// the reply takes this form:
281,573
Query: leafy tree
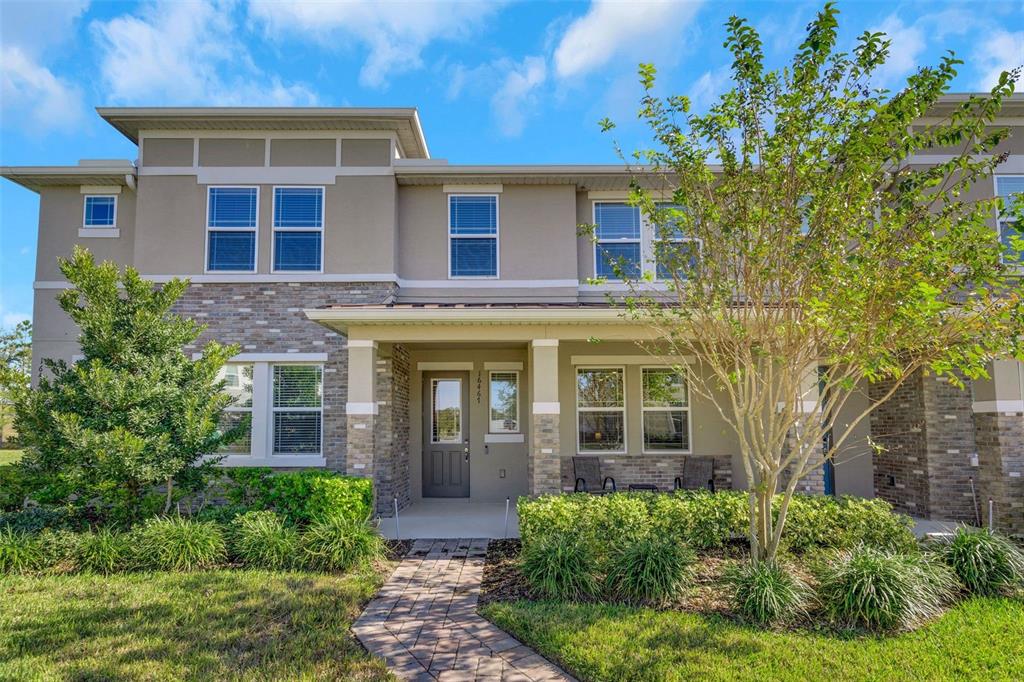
828,259
136,412
15,368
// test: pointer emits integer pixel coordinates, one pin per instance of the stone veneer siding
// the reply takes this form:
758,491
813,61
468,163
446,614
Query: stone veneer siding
391,466
1000,439
268,318
542,466
659,470
814,482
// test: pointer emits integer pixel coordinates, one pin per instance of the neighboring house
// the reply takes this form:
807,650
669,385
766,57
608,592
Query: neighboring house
430,325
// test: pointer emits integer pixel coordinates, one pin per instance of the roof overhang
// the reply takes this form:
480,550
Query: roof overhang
403,121
382,315
583,176
36,177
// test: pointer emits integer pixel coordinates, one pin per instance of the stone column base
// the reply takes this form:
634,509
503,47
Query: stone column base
544,467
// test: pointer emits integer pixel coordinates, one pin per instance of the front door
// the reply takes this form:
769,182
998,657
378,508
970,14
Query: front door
446,434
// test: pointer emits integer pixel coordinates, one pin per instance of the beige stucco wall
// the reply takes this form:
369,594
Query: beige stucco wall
853,463
356,152
301,152
166,151
222,151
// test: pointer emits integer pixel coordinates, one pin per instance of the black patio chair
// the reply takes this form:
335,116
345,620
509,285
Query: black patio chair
698,474
587,471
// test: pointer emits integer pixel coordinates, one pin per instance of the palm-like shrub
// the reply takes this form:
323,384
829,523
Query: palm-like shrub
986,563
260,539
20,552
336,543
880,590
103,551
653,569
766,593
174,543
560,566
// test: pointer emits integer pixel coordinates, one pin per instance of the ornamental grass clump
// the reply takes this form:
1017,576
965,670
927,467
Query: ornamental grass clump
653,569
766,593
103,551
985,562
337,543
20,552
260,539
174,543
560,566
879,590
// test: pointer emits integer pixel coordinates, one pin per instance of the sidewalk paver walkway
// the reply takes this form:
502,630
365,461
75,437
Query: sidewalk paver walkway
424,623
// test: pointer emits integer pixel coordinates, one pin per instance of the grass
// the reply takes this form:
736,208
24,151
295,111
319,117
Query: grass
224,625
10,456
979,639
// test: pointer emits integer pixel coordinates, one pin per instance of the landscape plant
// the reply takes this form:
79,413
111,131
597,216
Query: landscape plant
985,562
560,566
337,543
299,496
175,543
261,539
20,551
104,550
767,593
652,569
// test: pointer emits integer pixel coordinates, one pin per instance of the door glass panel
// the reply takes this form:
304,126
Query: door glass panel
446,411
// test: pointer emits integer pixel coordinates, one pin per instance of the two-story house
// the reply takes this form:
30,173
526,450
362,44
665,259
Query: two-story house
430,325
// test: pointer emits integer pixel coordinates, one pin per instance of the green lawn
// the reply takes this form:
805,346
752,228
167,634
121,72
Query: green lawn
9,456
980,639
222,625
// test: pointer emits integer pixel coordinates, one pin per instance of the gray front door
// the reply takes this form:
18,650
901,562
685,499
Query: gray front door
446,434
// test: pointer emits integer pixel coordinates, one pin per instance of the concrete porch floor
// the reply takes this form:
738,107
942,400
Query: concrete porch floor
452,518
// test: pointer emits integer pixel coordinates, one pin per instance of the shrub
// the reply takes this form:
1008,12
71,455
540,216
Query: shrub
653,569
20,552
59,548
35,519
881,590
174,543
336,543
301,496
260,539
560,566
766,593
986,563
713,518
103,551
815,521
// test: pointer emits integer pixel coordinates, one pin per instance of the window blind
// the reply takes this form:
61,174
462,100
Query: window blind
298,207
470,215
297,250
232,251
232,207
298,417
617,221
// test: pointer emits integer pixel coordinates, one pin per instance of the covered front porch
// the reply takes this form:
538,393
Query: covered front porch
452,518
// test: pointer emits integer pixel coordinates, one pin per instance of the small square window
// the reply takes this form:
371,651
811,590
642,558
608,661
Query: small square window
100,211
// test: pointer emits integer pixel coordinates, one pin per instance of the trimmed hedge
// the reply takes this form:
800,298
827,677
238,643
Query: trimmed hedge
705,520
301,497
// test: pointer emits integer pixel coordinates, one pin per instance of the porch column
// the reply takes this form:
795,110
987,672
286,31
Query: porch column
361,408
544,466
813,482
999,435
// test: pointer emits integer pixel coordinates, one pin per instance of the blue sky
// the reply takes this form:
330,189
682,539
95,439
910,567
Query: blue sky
495,82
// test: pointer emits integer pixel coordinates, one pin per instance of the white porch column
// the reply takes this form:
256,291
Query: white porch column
999,436
544,467
361,408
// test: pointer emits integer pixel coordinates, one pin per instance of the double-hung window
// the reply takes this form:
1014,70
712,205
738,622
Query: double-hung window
601,409
297,409
473,235
1006,187
504,402
231,225
617,233
298,229
238,379
100,211
673,250
666,410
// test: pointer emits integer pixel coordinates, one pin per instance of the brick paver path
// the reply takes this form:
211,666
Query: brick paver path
424,623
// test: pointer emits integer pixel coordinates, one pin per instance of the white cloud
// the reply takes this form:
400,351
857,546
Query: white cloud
9,319
908,43
186,53
999,51
511,102
613,29
705,91
37,25
396,33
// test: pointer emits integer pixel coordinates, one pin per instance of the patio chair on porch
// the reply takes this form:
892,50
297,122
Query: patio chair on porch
587,471
698,474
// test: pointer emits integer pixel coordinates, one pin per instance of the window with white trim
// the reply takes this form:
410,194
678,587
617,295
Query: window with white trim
665,409
231,224
100,211
473,235
617,235
238,381
298,229
673,251
601,409
1006,187
504,402
297,408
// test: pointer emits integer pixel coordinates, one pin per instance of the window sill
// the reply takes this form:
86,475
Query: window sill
504,438
273,461
107,232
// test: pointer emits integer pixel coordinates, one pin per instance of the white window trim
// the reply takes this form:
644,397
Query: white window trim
85,203
623,409
999,221
243,410
519,424
255,230
462,417
687,408
275,229
274,410
645,252
495,236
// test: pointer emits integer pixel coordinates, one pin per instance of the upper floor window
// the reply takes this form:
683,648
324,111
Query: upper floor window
298,228
100,211
617,235
1007,186
473,235
673,251
231,221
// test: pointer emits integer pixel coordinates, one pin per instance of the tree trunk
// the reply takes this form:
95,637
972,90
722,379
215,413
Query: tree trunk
167,500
